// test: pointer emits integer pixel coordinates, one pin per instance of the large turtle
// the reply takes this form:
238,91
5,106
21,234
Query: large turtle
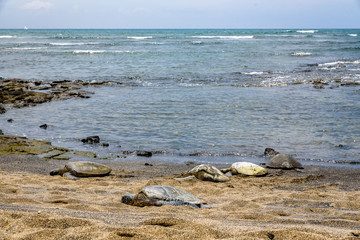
246,168
206,172
82,169
158,195
283,161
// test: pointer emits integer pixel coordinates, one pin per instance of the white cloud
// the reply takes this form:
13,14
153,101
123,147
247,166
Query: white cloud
36,5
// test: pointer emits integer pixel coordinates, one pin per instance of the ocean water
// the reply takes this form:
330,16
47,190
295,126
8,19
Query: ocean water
200,95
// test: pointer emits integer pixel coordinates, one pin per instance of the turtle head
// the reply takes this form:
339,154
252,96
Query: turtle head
54,172
127,198
59,171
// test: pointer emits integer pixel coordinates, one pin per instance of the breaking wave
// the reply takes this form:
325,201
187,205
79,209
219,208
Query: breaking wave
301,54
225,37
307,31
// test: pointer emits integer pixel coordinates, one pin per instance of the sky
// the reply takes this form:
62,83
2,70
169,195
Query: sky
304,14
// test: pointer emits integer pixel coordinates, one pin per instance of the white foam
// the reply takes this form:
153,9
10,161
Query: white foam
254,73
7,36
87,51
352,35
123,51
68,44
301,54
339,62
306,31
197,42
140,38
25,48
225,37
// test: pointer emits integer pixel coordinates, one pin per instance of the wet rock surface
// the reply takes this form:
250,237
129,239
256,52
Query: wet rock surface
24,146
19,93
91,139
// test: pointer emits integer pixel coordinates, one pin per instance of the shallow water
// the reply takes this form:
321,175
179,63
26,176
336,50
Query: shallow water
210,95
313,124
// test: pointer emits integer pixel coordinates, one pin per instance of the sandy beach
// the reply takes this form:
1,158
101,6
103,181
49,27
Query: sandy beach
314,203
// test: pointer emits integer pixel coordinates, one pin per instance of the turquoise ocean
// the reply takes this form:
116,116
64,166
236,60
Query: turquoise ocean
207,95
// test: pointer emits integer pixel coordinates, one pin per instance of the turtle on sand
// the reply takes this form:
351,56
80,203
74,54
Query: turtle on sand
283,161
82,169
246,168
205,172
158,195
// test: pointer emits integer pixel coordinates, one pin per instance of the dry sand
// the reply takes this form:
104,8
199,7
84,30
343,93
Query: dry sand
317,203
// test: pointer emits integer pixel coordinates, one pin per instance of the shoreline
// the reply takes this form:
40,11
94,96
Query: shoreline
316,203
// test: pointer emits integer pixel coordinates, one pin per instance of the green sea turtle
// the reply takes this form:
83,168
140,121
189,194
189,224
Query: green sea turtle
205,172
283,161
158,195
82,169
246,168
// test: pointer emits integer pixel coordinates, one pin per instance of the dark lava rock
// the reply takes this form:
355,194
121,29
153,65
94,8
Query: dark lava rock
2,109
350,84
269,152
10,120
91,139
148,164
44,126
105,145
1,132
143,153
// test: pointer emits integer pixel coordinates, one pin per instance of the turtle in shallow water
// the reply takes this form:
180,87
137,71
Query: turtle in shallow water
246,168
283,161
82,169
206,172
158,195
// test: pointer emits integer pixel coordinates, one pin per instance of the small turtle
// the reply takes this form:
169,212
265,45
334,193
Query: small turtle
283,161
82,169
206,172
158,195
246,168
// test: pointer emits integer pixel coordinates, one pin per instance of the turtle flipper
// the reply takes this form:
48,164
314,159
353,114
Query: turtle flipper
204,206
175,203
69,175
185,178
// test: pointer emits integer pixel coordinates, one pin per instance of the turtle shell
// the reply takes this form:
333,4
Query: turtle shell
283,161
166,193
247,168
212,173
87,169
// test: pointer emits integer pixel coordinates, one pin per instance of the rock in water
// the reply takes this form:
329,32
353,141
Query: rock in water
2,109
143,153
270,152
91,139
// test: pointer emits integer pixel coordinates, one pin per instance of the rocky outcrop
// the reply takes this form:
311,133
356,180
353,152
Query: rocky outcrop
19,93
24,146
91,139
2,109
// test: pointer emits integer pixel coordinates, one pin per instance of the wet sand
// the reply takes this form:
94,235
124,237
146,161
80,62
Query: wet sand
316,203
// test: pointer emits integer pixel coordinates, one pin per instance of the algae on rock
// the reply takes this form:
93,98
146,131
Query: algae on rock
24,146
